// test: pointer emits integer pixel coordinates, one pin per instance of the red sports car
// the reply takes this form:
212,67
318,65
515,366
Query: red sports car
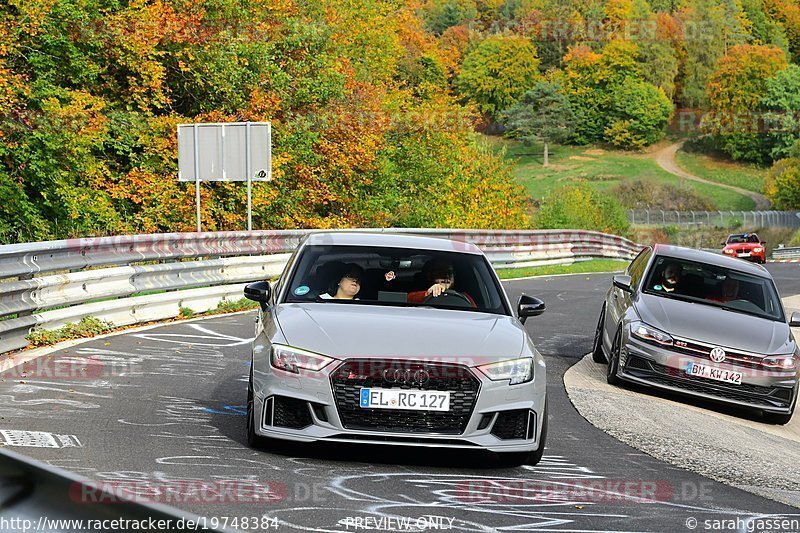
745,246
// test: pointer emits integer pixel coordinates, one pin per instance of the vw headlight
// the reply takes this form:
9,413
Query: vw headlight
648,333
294,359
780,362
515,370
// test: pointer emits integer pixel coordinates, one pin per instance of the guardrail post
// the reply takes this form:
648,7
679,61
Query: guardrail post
648,216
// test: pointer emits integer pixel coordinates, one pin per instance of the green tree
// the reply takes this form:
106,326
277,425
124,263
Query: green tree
498,71
639,115
782,105
442,14
543,113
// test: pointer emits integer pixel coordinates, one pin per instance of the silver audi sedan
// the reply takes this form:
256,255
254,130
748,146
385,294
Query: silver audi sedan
395,339
702,324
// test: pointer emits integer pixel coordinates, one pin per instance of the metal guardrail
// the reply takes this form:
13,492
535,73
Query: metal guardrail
722,219
114,293
786,253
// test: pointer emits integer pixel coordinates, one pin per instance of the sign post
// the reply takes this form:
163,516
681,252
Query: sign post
225,152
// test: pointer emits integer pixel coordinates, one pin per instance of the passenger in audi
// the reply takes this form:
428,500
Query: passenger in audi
346,284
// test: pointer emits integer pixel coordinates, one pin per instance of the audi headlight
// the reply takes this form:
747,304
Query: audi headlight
648,333
514,370
294,359
780,362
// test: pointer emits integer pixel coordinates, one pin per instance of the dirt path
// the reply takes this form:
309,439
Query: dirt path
665,157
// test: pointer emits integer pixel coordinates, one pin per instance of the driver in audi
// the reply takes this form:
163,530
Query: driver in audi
441,276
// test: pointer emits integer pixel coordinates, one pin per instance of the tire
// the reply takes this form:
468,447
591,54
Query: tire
613,359
253,440
515,459
598,355
777,418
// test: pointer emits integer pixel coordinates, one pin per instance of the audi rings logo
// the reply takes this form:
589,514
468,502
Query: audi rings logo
717,355
415,378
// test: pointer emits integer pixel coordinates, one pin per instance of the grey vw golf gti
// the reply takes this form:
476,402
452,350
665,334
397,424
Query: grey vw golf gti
395,339
702,324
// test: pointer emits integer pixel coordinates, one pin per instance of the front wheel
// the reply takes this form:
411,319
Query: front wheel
253,440
598,356
613,359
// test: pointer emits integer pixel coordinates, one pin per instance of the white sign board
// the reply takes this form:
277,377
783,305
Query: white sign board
225,152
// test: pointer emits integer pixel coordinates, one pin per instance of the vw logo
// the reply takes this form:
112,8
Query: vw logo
415,378
717,355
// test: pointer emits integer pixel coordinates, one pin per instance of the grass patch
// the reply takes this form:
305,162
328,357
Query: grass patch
580,267
602,169
87,327
234,306
721,170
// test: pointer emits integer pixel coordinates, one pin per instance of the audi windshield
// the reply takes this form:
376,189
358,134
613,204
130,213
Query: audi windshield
358,275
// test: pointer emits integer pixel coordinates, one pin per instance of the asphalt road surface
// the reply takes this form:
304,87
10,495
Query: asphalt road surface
161,413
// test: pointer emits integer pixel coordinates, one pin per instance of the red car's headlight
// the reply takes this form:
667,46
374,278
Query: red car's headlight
727,251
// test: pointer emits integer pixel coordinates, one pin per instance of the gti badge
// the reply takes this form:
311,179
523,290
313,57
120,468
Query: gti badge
717,355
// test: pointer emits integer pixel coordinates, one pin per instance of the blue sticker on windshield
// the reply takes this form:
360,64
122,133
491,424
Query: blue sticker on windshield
301,290
658,287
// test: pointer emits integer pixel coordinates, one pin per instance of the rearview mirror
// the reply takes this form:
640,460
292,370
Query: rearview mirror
529,306
258,292
795,320
621,281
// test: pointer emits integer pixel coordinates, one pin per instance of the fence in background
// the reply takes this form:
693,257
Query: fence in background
134,279
722,219
783,254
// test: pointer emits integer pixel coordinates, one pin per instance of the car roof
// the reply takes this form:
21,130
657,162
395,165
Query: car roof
711,258
742,234
390,240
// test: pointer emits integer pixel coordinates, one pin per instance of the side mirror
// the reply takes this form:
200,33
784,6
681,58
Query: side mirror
795,320
623,282
763,242
722,244
258,292
529,306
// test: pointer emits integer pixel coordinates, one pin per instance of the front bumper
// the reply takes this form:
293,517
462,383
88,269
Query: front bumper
323,417
662,368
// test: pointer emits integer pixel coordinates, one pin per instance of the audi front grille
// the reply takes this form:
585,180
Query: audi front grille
355,374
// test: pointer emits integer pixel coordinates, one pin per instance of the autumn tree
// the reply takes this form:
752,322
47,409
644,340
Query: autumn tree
735,90
543,113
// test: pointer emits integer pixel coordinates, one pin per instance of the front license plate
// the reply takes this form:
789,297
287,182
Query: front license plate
416,400
744,254
717,374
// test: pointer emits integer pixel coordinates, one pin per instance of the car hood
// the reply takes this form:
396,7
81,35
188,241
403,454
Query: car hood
714,325
370,331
